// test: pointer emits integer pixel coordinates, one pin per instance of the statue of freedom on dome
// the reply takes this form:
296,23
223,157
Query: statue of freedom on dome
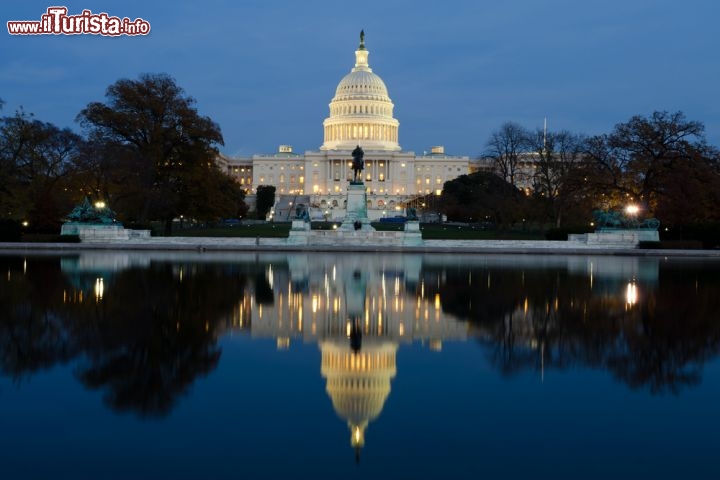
358,164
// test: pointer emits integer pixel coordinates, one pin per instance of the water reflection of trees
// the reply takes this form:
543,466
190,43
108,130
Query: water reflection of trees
542,319
33,336
154,332
155,329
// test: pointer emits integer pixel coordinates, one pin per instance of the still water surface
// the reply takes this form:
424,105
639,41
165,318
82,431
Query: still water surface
135,365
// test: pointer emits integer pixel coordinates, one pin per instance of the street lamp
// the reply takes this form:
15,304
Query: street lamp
632,210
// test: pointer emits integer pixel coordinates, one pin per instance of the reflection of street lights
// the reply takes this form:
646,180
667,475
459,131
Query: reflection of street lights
631,294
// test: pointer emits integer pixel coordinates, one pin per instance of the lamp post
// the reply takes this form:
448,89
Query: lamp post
631,211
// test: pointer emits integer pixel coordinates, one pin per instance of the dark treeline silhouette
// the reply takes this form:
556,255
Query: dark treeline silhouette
661,163
145,151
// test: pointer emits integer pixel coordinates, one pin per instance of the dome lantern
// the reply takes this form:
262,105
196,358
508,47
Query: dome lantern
361,112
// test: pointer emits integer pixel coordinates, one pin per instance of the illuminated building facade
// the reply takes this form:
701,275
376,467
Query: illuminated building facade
361,113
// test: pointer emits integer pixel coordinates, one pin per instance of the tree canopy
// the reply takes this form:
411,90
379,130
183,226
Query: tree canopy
37,160
164,152
265,200
662,162
481,196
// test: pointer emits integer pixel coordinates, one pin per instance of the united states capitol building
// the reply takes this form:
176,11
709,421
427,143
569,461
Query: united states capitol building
361,113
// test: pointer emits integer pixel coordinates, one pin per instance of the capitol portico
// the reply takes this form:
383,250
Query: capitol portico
361,113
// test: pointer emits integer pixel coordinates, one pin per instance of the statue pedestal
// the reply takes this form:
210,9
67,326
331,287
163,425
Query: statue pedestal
355,228
99,233
356,209
617,237
412,234
299,232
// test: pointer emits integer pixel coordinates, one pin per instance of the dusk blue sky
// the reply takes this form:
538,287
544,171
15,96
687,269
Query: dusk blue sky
266,70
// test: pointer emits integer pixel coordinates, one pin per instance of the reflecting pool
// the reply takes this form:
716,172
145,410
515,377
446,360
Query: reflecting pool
166,365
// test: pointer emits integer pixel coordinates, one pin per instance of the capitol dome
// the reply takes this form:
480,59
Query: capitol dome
361,112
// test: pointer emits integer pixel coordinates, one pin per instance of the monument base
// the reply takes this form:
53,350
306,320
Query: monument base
620,236
356,210
299,232
91,232
412,234
355,228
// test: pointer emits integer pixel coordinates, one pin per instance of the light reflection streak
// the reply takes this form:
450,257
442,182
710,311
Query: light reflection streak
631,294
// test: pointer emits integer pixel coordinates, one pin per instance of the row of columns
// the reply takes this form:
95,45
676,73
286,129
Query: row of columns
346,172
364,131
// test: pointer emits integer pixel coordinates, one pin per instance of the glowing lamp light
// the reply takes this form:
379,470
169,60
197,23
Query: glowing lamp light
25,223
100,205
632,209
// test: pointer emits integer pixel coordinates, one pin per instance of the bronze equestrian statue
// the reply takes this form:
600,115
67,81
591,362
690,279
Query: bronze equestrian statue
358,164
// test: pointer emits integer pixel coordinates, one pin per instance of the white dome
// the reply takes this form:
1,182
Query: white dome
361,83
361,112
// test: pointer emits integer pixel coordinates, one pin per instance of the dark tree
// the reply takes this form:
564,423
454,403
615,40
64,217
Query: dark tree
506,147
265,200
481,196
36,161
167,148
652,160
558,182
